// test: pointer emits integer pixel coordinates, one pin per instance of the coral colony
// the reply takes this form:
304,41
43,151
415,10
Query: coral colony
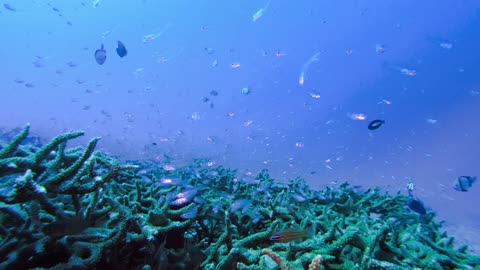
76,208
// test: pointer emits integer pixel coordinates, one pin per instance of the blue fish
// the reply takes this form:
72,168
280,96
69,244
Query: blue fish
100,55
121,50
417,206
463,183
192,213
8,7
375,124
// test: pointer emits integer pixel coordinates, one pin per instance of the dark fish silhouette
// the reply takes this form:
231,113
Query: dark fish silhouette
8,7
121,50
375,124
463,183
417,206
100,55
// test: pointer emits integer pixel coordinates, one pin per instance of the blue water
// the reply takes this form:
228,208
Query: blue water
151,102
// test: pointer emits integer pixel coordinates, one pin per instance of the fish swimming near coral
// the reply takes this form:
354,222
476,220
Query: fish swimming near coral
463,183
67,226
289,235
100,55
375,124
417,206
121,49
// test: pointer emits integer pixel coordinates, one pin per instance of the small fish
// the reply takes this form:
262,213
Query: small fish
95,3
446,45
417,206
463,183
215,63
214,93
375,124
67,226
209,50
240,204
192,213
121,50
100,55
408,72
380,48
8,7
358,116
257,15
289,235
185,197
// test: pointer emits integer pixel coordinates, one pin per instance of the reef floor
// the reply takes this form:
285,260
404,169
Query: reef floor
77,208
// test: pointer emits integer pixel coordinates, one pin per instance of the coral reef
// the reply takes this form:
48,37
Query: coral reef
78,208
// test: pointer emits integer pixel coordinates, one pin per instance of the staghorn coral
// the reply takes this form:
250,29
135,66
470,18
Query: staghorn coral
64,208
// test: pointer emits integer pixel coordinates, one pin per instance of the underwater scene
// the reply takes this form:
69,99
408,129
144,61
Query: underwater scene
267,134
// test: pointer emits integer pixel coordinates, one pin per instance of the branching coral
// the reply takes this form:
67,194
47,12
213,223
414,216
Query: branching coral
64,208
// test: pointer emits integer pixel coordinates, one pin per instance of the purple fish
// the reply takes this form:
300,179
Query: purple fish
240,204
185,197
297,197
169,182
217,206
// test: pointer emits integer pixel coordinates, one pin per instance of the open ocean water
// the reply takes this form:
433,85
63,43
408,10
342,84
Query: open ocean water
288,86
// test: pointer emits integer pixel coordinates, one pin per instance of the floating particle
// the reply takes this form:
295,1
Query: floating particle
151,37
299,145
138,73
431,121
408,72
247,123
195,116
446,45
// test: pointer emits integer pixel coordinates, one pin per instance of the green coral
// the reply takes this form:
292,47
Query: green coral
64,208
